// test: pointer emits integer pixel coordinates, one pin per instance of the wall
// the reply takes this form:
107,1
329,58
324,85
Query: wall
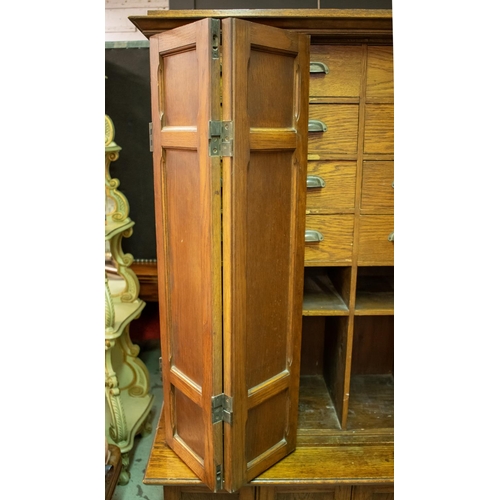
117,25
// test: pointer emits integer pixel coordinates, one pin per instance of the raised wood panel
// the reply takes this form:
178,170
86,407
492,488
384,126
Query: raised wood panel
377,191
336,247
375,248
344,76
338,194
379,129
341,136
380,74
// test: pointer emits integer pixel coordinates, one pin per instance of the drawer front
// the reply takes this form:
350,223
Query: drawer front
380,74
331,187
379,129
377,191
341,135
335,71
375,245
337,237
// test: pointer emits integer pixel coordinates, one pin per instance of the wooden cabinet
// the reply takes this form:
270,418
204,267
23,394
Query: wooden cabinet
275,259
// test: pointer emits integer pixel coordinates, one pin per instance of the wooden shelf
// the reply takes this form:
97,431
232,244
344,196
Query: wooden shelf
320,296
374,296
371,402
316,410
369,463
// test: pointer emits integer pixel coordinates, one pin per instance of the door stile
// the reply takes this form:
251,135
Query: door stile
212,343
188,227
234,261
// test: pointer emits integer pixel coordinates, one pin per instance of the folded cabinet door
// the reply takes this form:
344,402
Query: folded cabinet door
185,80
265,95
230,241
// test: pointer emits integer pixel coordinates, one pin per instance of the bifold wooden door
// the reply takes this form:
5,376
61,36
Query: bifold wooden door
230,113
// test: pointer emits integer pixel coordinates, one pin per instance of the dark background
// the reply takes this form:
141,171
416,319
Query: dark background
127,103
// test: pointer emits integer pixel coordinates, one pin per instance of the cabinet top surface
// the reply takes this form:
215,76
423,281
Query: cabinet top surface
313,21
288,13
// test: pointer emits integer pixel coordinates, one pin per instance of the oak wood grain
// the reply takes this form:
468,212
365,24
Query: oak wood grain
337,196
265,94
375,248
380,75
341,136
332,24
344,76
310,466
377,191
336,247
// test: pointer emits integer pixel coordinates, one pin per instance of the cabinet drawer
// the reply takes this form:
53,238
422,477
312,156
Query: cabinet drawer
341,135
335,71
375,245
380,74
331,187
379,128
336,244
377,191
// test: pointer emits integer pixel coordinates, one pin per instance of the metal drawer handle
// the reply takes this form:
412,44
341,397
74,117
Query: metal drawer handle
313,236
316,126
391,237
314,181
318,67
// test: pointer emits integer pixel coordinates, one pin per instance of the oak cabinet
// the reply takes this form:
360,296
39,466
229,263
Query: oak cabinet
274,177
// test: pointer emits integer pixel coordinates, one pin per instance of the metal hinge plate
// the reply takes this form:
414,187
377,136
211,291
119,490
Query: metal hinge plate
221,138
215,38
219,479
222,409
150,137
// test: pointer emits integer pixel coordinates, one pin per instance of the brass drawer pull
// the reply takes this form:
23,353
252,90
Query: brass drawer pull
391,237
318,67
314,181
316,126
313,236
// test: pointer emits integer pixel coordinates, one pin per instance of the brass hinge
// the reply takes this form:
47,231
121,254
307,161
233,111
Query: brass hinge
215,38
222,409
221,138
219,478
150,137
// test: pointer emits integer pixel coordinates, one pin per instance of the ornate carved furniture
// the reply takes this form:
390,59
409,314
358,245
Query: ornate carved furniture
128,401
